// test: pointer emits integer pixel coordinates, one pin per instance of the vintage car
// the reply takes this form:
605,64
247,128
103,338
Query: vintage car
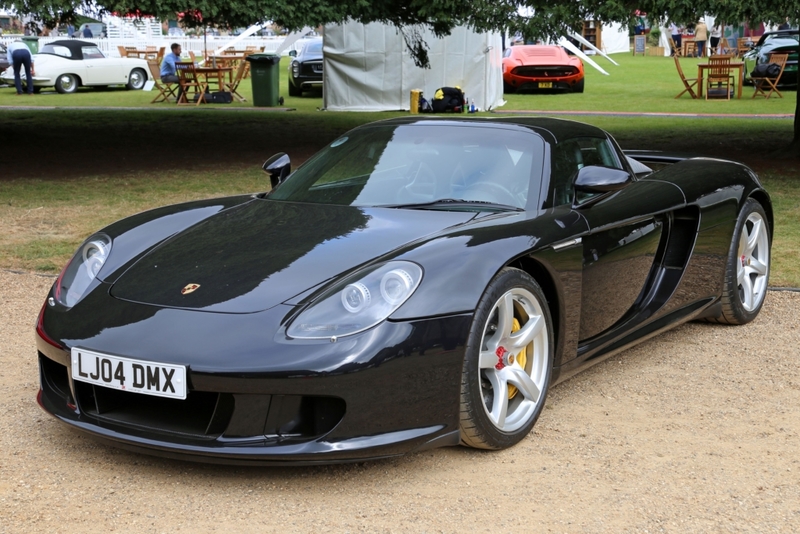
4,64
420,282
541,68
69,64
305,68
785,41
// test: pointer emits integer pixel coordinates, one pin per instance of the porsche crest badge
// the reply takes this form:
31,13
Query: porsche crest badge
189,288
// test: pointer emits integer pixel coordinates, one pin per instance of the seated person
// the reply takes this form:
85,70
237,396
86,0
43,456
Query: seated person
169,72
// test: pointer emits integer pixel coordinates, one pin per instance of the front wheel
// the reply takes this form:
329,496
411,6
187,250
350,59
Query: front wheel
747,269
136,80
509,357
66,83
294,91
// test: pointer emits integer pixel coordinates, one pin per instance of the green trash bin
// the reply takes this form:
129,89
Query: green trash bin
264,75
32,43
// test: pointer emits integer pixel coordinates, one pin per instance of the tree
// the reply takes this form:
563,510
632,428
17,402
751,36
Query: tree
547,19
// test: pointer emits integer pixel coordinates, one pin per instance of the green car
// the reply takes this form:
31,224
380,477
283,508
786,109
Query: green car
785,41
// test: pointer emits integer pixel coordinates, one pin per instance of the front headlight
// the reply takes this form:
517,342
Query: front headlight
82,269
359,302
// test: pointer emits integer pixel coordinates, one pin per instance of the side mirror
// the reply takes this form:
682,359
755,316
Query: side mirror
592,182
278,167
292,53
594,179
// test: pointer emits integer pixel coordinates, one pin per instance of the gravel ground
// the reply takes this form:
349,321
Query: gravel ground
693,431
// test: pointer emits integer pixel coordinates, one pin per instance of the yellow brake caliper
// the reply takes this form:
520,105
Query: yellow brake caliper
521,358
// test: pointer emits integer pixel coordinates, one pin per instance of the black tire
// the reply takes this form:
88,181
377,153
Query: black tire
747,267
294,91
67,83
508,89
487,423
136,80
578,87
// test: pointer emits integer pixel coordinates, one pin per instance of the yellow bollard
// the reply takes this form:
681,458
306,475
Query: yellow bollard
415,94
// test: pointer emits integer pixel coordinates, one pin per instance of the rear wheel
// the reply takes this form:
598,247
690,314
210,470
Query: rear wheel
136,80
508,362
747,269
67,83
578,87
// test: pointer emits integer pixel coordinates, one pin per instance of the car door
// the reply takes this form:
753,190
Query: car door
625,229
100,70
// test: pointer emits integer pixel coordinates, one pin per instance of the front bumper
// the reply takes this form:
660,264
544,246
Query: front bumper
389,391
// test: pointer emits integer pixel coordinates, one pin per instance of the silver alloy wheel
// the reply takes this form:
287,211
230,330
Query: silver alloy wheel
752,267
513,362
136,79
68,83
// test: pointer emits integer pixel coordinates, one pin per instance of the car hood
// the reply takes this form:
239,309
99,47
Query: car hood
258,255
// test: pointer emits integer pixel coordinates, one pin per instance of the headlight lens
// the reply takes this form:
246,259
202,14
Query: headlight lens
358,302
295,69
82,269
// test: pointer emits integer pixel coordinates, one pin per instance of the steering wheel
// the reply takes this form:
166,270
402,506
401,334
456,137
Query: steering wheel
497,192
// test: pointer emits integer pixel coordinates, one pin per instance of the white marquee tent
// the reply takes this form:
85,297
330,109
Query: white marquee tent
368,68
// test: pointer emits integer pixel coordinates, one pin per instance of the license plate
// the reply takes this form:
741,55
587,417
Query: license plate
125,374
545,85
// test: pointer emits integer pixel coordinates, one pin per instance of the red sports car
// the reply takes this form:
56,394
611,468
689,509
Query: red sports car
541,67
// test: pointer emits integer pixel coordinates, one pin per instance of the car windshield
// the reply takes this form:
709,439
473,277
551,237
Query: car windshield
778,36
313,48
426,165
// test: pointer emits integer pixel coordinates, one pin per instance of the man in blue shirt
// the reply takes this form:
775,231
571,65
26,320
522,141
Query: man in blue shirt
169,73
87,32
19,55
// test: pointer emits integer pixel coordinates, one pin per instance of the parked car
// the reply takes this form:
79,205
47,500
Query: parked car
69,64
420,282
541,68
4,59
785,41
98,30
305,69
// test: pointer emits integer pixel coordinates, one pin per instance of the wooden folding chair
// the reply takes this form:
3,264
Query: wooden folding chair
689,48
688,87
676,50
165,90
122,51
190,82
767,85
719,77
743,45
233,85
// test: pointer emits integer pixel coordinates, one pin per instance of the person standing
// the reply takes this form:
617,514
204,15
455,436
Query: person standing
700,37
19,55
786,25
87,32
716,35
675,31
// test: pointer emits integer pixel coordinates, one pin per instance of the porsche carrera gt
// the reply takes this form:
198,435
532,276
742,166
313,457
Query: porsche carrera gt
420,282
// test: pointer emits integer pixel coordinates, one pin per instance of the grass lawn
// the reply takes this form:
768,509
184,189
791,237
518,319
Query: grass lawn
67,172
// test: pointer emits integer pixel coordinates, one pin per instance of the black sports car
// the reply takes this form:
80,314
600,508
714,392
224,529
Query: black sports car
305,69
420,282
781,42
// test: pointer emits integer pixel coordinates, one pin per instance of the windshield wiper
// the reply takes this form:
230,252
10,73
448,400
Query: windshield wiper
452,203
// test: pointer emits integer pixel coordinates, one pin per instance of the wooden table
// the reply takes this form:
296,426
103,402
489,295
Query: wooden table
702,67
225,60
208,74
